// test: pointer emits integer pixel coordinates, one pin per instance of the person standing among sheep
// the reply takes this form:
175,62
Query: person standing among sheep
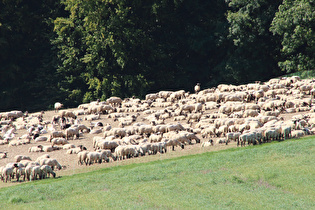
197,88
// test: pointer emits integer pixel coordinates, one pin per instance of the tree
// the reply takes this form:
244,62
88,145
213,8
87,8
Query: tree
126,48
27,72
253,52
295,24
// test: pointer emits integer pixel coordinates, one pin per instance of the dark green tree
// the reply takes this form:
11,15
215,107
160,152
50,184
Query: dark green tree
253,52
295,24
27,60
126,48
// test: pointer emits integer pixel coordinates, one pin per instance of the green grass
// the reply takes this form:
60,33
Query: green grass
270,176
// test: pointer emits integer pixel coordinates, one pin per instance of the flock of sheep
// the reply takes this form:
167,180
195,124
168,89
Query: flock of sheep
119,129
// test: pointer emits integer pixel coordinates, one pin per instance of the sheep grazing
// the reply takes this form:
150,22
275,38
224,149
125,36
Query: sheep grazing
58,106
51,162
46,170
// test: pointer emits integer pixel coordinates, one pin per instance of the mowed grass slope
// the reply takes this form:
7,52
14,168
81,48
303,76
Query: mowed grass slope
279,175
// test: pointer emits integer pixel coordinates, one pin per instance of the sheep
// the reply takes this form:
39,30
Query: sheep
51,162
71,132
18,158
197,88
76,150
297,133
114,101
82,157
232,136
195,117
3,155
28,171
172,143
48,148
46,170
58,106
19,172
96,157
36,173
111,145
42,157
7,173
121,132
38,148
155,137
68,146
57,134
108,153
208,132
59,141
207,143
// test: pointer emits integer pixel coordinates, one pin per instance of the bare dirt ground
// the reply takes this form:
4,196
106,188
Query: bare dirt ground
69,161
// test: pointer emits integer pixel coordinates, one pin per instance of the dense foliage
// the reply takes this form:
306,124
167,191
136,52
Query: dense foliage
76,51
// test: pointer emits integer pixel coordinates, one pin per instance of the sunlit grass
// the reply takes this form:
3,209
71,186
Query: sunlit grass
271,176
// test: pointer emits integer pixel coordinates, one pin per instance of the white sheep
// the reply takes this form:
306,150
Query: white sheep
18,158
46,170
71,133
38,148
82,157
3,155
59,141
51,162
58,106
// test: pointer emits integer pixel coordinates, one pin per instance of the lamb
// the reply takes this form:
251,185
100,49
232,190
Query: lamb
58,106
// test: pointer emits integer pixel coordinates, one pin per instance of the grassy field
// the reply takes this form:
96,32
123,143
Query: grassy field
279,175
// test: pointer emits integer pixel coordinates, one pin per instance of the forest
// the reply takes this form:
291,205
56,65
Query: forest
76,51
